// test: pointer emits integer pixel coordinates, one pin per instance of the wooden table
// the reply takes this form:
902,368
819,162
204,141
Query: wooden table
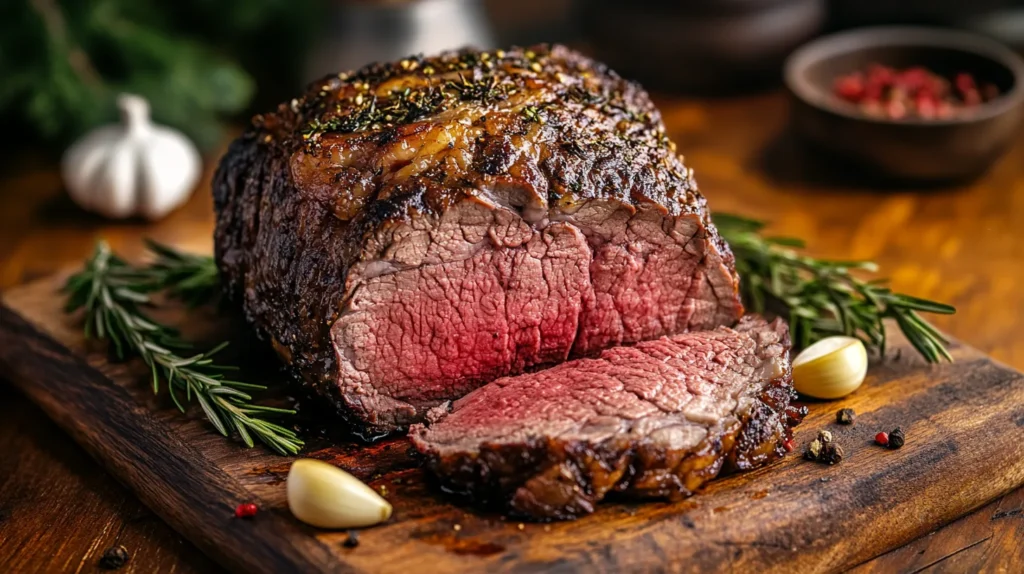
964,245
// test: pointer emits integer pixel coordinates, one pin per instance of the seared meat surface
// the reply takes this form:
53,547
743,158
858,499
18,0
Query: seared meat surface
408,232
655,420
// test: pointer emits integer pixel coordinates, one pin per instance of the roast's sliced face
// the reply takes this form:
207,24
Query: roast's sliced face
657,419
408,232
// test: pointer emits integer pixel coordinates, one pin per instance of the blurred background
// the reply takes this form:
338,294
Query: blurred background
206,64
714,67
715,70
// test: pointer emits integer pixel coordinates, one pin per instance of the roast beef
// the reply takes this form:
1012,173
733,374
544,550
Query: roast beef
655,420
407,232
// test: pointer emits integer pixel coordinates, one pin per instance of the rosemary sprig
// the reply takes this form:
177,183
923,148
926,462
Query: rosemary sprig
189,277
822,297
113,294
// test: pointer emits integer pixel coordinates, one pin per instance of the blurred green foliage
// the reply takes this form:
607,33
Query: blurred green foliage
63,62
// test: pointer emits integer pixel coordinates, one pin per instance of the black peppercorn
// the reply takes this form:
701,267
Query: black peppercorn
814,450
845,416
833,454
824,449
352,541
114,558
896,438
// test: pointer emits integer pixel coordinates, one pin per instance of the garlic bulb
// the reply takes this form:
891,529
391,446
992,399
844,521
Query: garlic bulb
325,496
831,368
135,168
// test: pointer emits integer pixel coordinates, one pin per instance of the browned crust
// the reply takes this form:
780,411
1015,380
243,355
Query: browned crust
285,246
553,479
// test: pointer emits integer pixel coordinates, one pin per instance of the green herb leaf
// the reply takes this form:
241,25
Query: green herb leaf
821,297
112,295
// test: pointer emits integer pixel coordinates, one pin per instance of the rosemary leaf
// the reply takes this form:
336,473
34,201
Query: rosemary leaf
821,297
113,295
189,277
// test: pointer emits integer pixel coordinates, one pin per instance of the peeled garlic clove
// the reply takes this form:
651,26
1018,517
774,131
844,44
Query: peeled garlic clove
831,368
325,496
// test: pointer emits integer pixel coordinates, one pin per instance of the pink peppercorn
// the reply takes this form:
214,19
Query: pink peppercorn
246,510
882,439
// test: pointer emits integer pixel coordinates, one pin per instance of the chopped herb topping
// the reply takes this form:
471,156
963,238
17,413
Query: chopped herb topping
532,113
617,122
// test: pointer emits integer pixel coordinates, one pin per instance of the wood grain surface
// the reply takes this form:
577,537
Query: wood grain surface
962,244
792,515
60,511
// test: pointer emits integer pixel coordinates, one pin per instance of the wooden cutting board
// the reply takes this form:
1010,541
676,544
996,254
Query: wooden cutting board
965,446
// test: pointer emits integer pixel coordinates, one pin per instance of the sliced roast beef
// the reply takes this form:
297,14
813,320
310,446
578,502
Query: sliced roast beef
654,420
405,233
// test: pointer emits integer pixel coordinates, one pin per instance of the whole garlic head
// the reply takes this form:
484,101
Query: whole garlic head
135,168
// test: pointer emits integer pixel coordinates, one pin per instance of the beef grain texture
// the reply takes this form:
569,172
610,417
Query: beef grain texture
655,420
405,233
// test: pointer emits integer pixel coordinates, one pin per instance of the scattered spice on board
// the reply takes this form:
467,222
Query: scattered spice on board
833,454
114,558
896,438
882,439
246,510
846,416
352,540
824,449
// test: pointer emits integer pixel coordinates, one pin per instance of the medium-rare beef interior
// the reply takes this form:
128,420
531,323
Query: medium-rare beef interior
408,232
655,420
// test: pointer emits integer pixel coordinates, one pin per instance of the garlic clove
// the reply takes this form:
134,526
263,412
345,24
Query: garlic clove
168,161
325,496
84,161
114,191
831,368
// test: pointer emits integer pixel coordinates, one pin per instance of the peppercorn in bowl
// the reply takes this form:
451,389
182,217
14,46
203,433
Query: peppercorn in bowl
908,103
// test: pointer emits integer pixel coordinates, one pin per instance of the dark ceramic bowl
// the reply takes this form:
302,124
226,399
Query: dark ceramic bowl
699,46
907,149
